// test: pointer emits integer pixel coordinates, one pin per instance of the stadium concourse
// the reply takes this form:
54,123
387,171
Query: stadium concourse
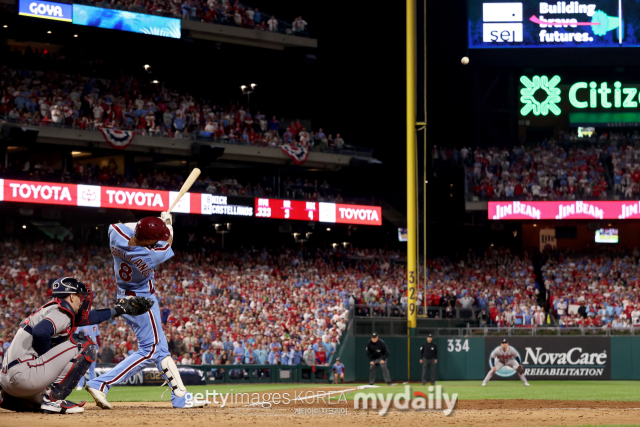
597,168
294,303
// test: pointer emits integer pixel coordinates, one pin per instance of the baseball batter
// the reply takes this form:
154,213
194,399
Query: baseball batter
46,359
137,249
505,356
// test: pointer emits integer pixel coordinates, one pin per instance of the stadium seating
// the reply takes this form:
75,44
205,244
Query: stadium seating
599,168
88,103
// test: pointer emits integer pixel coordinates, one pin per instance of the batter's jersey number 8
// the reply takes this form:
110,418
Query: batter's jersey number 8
125,271
457,346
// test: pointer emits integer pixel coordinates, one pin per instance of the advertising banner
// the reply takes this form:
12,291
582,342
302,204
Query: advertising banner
46,10
97,196
552,24
555,358
568,209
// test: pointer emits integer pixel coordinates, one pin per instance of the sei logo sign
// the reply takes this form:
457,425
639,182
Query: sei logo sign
502,22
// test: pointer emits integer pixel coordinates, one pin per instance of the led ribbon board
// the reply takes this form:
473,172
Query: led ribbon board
96,196
113,19
549,24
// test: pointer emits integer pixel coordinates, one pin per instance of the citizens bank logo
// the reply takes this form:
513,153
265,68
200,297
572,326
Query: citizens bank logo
502,22
540,95
505,371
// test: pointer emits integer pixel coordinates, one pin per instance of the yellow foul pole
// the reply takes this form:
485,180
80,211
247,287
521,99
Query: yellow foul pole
412,276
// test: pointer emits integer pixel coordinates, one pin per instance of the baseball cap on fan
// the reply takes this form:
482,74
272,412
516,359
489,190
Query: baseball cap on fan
374,335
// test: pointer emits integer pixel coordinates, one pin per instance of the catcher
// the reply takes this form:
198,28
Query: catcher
46,359
505,356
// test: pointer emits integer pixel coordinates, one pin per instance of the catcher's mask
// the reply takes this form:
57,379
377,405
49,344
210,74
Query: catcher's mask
67,286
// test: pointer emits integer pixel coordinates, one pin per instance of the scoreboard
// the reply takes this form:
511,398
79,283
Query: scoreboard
287,209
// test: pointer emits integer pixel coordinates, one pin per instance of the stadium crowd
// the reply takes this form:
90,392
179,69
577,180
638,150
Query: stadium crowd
291,306
211,11
154,109
557,170
253,306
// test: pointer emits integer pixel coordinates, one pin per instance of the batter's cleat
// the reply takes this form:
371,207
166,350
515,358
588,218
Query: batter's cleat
79,388
484,385
99,397
61,406
424,383
527,384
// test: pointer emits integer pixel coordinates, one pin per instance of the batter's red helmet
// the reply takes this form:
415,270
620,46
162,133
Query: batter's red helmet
152,228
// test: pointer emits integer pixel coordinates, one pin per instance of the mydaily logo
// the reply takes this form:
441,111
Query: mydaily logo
541,95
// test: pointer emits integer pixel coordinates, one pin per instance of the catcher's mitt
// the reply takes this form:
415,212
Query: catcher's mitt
133,306
520,369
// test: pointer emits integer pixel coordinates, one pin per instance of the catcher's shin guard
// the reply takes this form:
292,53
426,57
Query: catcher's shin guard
81,364
172,375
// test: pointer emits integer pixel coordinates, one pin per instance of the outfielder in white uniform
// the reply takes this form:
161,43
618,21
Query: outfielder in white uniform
505,356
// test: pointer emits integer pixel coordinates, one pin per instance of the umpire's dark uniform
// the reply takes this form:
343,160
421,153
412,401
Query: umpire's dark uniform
429,357
377,351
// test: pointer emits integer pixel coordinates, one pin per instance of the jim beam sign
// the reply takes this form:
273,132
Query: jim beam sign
558,358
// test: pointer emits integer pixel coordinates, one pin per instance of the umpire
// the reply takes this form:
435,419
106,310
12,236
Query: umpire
378,353
429,357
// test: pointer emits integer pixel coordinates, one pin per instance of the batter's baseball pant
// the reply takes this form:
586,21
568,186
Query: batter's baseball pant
29,378
426,363
511,363
152,348
373,368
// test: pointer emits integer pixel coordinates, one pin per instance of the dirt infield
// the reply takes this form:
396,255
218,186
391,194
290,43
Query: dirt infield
470,412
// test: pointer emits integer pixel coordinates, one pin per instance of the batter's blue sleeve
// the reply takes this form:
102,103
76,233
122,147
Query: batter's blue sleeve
42,334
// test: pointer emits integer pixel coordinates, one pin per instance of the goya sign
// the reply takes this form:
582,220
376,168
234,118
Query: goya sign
541,95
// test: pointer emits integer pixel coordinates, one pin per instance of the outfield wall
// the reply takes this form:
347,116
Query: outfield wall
544,358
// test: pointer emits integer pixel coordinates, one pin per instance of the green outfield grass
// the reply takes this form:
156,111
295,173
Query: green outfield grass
467,390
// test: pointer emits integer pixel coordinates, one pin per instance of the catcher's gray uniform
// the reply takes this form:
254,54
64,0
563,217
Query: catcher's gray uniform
25,374
508,357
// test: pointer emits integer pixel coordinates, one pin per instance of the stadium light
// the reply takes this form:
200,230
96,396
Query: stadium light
75,35
24,226
5,26
155,82
248,91
328,229
146,67
48,32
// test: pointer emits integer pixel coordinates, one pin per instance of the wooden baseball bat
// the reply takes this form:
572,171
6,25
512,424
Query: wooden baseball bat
185,187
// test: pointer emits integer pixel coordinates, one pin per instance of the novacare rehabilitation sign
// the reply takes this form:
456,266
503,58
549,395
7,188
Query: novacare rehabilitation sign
558,358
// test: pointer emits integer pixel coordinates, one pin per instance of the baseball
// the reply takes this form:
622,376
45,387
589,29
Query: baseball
465,60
